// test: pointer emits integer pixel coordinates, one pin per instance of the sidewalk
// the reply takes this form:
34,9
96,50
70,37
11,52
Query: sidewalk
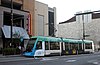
10,58
5,56
98,52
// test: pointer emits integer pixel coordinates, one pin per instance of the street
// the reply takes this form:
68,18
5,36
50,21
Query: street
86,59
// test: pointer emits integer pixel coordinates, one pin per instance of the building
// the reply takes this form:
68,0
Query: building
30,17
41,18
23,20
52,21
45,19
83,26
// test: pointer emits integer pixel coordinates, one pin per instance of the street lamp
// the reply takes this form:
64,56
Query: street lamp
11,20
83,33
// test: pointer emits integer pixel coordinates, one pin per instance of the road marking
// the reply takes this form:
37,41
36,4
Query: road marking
70,60
96,63
90,61
47,59
98,55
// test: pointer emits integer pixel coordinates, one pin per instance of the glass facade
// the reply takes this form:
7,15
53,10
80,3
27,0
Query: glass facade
51,24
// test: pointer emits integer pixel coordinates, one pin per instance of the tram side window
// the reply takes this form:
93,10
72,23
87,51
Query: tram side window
47,45
71,46
54,46
88,46
74,45
39,45
66,46
80,46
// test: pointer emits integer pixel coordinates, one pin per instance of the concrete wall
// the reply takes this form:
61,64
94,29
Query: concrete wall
29,5
42,10
93,30
75,30
69,30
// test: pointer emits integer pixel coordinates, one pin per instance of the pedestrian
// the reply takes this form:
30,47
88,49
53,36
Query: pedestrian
23,49
19,49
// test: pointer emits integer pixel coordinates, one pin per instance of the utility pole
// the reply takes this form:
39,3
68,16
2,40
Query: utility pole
11,20
83,32
83,28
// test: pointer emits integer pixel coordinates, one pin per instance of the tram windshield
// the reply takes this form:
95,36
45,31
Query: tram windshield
30,45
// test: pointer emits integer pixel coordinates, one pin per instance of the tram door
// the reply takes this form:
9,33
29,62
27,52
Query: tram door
62,45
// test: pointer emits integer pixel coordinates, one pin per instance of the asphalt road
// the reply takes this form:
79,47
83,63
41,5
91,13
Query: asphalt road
87,59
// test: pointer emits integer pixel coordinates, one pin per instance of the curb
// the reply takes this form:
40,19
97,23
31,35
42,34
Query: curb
6,56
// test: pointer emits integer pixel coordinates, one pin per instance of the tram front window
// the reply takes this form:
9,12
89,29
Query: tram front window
39,45
30,45
88,46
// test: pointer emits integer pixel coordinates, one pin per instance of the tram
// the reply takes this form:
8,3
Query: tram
42,46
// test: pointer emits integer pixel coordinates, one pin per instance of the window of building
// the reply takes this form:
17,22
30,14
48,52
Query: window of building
7,3
87,18
18,20
51,23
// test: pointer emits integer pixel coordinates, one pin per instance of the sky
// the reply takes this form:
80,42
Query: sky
68,8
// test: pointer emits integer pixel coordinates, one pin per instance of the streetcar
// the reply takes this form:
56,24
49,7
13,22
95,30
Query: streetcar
43,46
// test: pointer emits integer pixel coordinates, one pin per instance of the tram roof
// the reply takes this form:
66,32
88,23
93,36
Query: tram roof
56,39
76,41
44,38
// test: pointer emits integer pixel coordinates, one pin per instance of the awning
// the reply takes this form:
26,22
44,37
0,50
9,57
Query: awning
17,32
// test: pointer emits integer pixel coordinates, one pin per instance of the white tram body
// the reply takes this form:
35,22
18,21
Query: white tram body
42,46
